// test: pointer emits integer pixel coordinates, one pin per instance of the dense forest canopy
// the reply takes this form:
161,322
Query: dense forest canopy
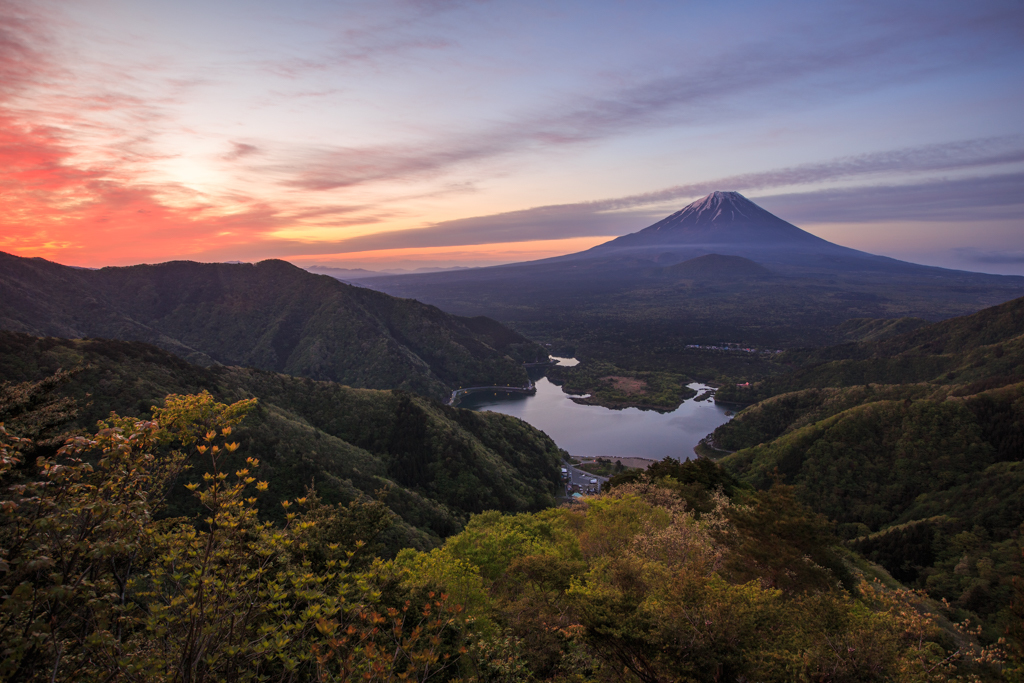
269,315
634,584
914,444
431,464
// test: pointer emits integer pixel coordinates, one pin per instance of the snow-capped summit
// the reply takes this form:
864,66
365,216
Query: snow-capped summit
720,217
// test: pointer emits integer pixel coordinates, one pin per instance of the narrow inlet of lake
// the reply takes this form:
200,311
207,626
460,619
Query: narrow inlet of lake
595,431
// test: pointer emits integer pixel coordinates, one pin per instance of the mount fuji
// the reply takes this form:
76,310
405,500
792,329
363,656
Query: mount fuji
721,219
728,223
721,267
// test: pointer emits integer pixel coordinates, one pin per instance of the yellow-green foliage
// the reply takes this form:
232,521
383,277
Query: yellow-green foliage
632,585
928,485
93,589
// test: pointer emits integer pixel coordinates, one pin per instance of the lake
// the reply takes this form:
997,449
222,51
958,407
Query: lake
594,431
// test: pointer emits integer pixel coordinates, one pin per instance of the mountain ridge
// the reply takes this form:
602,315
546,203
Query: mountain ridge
433,464
913,443
269,315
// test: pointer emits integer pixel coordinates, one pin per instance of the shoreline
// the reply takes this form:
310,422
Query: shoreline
632,461
591,401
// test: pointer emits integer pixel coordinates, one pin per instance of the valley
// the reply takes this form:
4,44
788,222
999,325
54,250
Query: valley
872,468
447,341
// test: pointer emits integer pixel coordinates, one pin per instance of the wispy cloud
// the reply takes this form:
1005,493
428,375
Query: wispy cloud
241,149
718,87
22,62
981,198
542,223
936,199
952,156
376,40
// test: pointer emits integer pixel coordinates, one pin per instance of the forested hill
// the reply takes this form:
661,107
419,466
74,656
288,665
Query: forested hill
268,315
984,350
994,325
434,465
686,576
915,445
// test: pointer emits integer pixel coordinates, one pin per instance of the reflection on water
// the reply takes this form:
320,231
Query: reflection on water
595,431
567,362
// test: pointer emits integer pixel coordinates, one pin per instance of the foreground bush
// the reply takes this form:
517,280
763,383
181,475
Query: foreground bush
637,584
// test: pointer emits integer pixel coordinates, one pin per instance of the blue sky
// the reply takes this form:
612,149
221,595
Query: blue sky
401,134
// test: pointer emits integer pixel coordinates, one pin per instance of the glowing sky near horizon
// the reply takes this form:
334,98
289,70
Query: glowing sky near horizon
408,133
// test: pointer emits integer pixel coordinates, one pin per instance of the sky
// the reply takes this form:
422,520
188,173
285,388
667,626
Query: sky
399,134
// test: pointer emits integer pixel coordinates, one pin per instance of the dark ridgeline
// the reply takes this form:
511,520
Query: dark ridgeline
720,268
269,315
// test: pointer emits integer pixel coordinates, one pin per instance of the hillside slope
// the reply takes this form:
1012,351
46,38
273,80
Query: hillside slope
436,464
985,350
932,488
269,315
925,477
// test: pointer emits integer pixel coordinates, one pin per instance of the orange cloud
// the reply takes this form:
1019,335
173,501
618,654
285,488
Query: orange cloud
501,252
53,208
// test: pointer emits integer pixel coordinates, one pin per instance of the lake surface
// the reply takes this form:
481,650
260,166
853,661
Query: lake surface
592,431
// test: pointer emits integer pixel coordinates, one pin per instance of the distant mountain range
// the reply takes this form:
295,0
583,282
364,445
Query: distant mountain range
269,315
720,268
353,274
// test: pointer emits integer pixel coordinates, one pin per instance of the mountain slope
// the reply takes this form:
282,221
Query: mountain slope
925,477
270,315
436,464
721,218
618,301
984,350
928,484
718,267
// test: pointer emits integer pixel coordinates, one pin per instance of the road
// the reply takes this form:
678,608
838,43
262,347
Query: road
578,476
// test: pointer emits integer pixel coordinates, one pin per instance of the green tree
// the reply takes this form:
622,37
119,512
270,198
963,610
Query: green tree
94,588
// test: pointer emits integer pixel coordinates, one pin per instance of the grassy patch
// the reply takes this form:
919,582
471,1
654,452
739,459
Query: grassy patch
614,387
604,467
